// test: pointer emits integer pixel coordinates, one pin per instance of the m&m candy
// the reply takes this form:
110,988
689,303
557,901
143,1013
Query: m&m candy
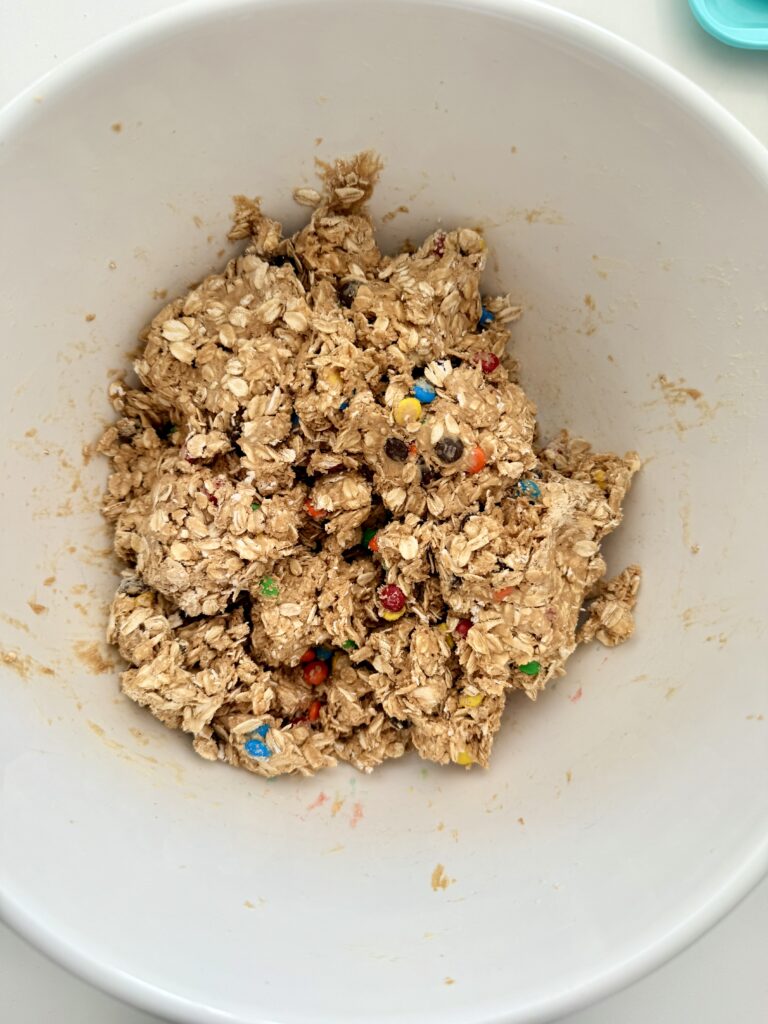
255,745
528,489
396,449
331,376
392,616
268,587
257,748
391,597
314,513
407,410
424,391
486,318
477,460
449,449
489,361
315,673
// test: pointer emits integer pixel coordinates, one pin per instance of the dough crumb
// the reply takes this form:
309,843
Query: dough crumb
439,878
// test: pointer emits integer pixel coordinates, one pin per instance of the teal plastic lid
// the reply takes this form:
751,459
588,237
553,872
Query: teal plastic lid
741,23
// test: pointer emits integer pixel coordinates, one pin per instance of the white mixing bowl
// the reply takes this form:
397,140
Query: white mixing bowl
626,810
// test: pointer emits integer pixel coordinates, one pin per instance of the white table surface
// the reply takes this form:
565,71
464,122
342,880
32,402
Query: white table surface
721,978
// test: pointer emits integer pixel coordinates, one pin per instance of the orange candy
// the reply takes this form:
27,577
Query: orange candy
316,513
307,656
477,460
373,543
314,710
499,595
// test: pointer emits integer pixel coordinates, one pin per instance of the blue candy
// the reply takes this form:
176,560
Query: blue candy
424,391
255,748
261,731
528,489
345,404
486,317
323,653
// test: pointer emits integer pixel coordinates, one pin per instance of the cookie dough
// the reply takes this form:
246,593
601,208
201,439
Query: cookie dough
342,536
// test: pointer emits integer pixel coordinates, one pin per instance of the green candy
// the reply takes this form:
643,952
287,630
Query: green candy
268,587
368,534
255,506
349,645
531,668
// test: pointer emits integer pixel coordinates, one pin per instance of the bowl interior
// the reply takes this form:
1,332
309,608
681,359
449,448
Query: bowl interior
621,812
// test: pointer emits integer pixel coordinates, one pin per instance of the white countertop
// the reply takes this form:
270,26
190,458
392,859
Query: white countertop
720,978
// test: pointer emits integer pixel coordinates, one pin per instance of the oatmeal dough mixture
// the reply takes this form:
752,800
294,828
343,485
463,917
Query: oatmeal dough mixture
343,538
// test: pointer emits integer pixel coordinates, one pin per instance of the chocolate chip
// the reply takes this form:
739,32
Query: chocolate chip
427,475
348,292
396,449
289,259
449,449
455,362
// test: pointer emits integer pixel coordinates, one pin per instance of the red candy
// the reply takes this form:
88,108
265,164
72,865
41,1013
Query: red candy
307,656
489,361
314,710
315,673
463,626
392,597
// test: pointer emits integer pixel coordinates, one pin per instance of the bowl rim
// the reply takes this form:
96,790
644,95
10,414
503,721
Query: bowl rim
726,892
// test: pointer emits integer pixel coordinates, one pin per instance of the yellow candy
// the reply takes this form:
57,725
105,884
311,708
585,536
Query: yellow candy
331,376
407,410
464,758
472,700
443,627
392,616
598,475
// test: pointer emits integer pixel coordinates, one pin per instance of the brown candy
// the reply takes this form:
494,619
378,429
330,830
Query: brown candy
396,449
449,449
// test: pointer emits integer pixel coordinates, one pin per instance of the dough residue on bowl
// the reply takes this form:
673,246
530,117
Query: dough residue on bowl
343,538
